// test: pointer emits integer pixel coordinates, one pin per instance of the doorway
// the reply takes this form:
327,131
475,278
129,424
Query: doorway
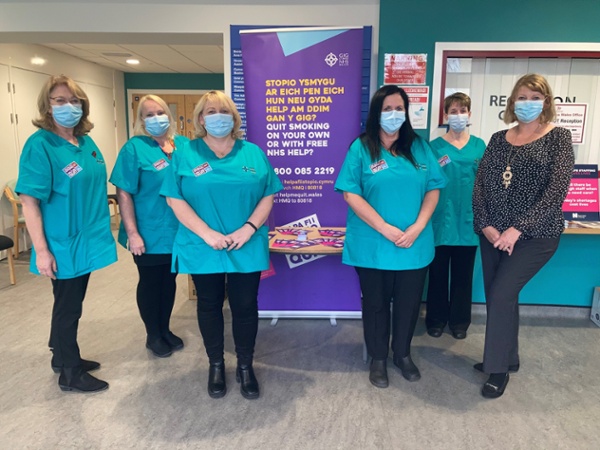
181,105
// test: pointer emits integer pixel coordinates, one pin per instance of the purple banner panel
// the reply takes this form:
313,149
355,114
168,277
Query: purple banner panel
303,98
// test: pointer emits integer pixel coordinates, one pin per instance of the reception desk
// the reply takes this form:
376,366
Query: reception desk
568,279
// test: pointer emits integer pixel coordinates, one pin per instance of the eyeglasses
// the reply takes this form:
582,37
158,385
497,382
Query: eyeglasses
63,101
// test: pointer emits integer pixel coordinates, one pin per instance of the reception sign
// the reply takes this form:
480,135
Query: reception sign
302,90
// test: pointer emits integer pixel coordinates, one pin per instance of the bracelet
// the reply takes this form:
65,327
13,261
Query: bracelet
252,225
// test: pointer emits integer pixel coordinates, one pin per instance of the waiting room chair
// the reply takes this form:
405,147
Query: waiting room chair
18,219
7,243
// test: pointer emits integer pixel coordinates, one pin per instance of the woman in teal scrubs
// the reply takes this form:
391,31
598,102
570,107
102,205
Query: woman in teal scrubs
458,154
391,182
148,227
221,190
62,184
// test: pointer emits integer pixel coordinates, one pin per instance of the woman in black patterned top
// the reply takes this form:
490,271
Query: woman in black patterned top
520,186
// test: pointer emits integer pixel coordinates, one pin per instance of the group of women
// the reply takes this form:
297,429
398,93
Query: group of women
176,198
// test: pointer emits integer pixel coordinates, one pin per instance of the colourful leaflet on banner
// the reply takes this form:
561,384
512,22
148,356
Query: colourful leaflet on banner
293,244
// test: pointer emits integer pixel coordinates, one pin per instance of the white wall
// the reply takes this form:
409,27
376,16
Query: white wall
143,16
104,87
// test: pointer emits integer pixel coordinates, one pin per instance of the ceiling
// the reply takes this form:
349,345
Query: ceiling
154,58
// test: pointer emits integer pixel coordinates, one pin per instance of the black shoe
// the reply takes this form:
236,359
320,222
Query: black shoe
248,383
86,366
174,342
495,385
378,373
459,334
159,347
435,332
512,368
408,368
75,379
217,387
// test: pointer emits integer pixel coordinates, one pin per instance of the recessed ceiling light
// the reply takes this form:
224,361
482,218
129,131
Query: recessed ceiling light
38,61
133,62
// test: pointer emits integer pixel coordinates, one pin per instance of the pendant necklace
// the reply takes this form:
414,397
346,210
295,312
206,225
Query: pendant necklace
507,174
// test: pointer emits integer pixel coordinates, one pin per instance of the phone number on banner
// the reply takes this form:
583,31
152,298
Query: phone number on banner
305,170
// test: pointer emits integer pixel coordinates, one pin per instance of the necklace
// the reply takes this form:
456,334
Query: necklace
507,174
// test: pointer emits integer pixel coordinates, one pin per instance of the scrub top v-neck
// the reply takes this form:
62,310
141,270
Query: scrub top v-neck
395,188
70,183
224,193
453,217
140,170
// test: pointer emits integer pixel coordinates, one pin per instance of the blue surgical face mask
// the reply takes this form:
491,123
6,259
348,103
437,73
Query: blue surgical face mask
391,121
157,125
67,115
218,125
528,110
458,122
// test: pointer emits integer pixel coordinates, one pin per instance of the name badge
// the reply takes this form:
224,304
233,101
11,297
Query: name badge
444,160
161,164
202,169
72,169
378,166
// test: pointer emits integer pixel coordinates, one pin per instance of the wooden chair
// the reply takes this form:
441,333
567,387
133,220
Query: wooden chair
114,201
6,243
18,219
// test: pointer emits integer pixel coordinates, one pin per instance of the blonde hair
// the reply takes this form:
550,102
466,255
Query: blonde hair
222,100
45,120
536,83
140,126
458,97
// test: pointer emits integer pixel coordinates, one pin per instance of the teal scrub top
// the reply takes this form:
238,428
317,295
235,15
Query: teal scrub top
223,193
70,183
453,218
140,170
395,188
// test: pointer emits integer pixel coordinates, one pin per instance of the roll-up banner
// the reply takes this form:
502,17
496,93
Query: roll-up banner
302,89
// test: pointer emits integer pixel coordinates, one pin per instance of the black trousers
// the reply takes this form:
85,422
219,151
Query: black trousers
379,288
66,312
156,296
450,290
242,290
504,276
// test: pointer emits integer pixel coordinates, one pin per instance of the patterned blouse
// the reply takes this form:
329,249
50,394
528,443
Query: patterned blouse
532,202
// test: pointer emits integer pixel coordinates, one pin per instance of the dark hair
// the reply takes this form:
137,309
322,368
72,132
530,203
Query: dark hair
458,97
406,136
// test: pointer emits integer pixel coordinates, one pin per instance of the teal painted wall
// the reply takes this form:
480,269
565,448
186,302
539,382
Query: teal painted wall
174,81
415,26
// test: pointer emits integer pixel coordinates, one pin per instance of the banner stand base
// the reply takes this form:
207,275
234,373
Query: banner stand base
331,315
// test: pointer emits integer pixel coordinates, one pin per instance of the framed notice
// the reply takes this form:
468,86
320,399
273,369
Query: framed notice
572,116
418,109
404,68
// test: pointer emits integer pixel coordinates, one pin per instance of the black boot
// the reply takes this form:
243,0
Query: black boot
159,347
75,379
378,373
248,383
408,368
87,366
174,341
216,380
